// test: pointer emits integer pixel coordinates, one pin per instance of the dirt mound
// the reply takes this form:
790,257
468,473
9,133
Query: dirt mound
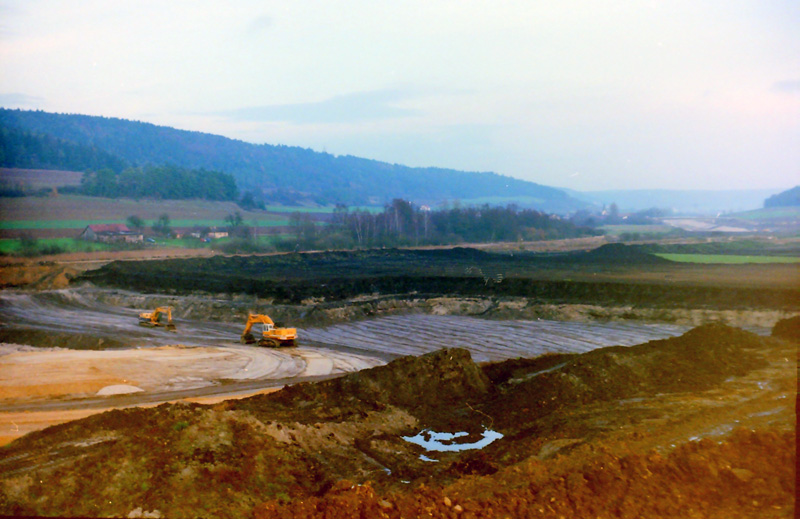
208,461
42,276
749,476
787,329
51,339
695,361
587,278
563,449
423,385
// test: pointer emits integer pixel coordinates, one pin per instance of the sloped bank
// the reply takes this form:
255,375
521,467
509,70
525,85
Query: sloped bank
317,312
295,447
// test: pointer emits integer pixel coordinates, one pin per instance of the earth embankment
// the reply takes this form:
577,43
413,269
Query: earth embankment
575,435
609,275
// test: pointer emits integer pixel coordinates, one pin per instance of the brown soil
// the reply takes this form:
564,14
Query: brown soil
644,431
53,339
36,277
57,270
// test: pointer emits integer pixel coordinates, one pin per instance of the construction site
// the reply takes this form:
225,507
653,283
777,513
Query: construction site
444,383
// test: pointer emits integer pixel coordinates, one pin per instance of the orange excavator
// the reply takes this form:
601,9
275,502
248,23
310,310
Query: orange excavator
271,336
154,318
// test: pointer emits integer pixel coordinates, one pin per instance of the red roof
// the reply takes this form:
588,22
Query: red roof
109,227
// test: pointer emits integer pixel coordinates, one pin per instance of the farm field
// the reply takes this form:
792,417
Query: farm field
67,215
726,258
65,247
40,178
770,213
616,230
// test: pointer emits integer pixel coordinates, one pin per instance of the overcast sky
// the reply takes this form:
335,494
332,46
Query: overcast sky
678,94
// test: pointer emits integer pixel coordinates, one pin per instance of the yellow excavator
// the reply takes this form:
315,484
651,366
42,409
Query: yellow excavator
271,336
154,318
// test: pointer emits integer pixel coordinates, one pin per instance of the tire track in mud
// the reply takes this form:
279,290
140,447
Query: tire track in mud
487,340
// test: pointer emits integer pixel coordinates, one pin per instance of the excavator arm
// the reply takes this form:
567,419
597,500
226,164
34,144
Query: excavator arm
256,319
270,336
154,318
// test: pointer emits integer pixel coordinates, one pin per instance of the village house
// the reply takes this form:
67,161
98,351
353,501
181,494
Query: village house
216,233
111,233
211,233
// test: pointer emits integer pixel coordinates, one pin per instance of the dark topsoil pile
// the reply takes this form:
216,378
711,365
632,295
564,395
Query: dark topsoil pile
788,329
286,454
338,276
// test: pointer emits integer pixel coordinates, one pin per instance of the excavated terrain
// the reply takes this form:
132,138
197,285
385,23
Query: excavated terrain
613,274
699,425
571,384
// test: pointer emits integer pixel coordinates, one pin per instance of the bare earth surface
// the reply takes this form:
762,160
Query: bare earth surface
700,425
541,409
205,359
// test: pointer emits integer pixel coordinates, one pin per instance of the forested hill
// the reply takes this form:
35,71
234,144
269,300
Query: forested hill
282,173
788,198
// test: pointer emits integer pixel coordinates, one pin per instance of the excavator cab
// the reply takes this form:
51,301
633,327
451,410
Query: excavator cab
270,336
155,318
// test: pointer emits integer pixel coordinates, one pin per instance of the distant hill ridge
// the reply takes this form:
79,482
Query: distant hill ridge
283,174
788,198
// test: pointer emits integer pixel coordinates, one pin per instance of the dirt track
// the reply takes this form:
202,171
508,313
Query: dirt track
205,359
205,352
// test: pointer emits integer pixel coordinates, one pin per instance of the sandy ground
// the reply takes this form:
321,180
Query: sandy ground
36,374
42,373
31,373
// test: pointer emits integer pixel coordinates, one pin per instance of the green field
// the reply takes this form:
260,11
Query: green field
769,213
616,230
52,245
726,258
268,221
53,224
35,247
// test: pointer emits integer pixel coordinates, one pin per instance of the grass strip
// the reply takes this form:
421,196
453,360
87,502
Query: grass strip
729,259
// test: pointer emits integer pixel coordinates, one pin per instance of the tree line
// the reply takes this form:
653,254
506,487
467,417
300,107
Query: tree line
788,198
162,182
291,174
32,150
402,223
